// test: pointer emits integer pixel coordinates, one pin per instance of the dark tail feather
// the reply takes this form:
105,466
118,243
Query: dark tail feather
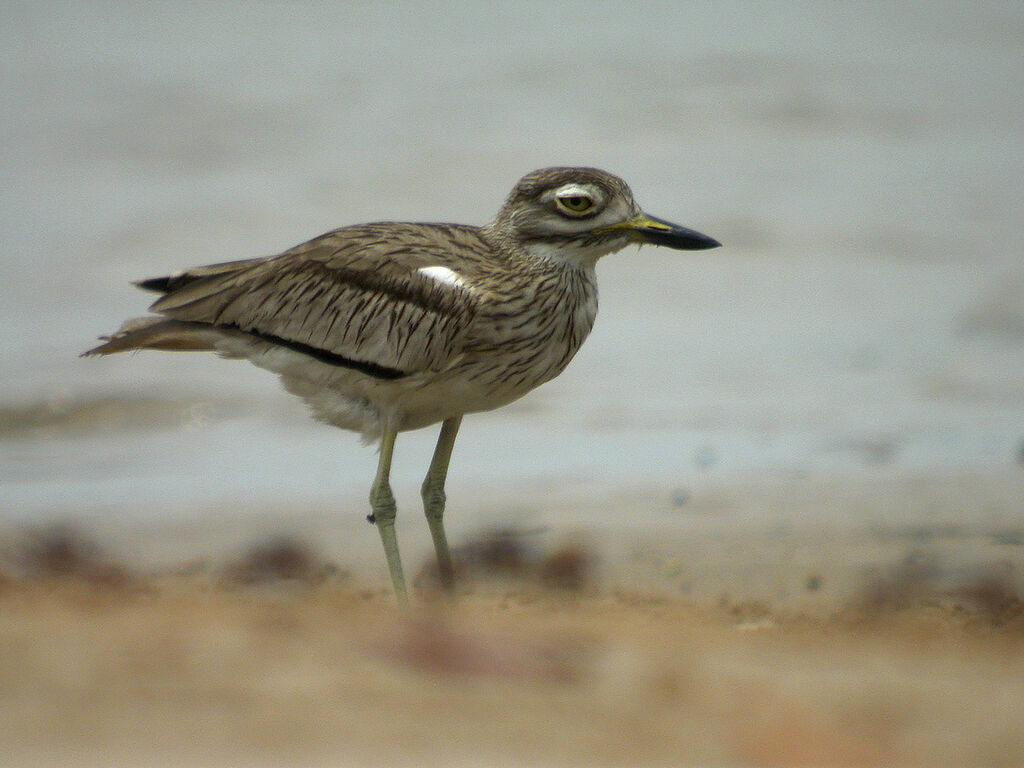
171,283
160,284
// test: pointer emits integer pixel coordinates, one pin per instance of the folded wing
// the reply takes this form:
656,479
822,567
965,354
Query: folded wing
356,294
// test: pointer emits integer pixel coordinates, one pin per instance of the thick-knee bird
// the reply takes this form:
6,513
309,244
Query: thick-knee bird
393,326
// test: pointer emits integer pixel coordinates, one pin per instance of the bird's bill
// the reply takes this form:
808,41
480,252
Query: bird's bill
648,229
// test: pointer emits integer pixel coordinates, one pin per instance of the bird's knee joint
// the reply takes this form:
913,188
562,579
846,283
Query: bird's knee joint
382,502
434,499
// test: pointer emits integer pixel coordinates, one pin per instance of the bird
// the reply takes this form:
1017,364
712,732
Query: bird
393,326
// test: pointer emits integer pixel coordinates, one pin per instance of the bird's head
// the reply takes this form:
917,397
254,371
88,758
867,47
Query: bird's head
582,213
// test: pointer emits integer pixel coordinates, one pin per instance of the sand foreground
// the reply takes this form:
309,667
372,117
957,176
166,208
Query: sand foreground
576,655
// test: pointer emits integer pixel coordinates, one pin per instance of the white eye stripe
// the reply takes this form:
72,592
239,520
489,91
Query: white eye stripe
444,275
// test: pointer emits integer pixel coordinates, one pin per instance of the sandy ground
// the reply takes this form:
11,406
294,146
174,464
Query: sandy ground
554,653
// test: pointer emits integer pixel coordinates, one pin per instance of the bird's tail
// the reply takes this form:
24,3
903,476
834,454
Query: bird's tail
156,333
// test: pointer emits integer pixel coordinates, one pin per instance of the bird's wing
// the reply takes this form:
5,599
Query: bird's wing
356,294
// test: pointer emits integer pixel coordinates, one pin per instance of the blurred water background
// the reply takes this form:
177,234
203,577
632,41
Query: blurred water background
862,163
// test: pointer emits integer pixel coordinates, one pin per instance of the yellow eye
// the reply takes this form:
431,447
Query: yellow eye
575,204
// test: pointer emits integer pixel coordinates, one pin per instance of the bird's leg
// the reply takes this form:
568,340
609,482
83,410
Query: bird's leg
434,498
382,501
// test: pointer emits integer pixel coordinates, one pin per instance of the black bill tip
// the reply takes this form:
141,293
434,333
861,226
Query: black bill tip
660,232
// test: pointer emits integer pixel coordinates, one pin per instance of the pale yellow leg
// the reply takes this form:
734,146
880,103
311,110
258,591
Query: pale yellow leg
434,498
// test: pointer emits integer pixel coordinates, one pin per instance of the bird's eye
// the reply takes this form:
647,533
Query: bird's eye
574,204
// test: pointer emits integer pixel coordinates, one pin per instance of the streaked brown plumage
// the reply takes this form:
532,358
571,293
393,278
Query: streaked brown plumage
394,326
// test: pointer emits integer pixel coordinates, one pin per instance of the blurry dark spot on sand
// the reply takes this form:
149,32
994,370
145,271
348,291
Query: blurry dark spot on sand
63,552
504,551
995,598
568,568
279,559
509,554
746,611
909,583
991,595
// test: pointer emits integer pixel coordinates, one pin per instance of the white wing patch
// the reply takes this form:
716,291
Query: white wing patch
444,275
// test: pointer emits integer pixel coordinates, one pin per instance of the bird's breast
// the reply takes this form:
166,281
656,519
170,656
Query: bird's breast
528,335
